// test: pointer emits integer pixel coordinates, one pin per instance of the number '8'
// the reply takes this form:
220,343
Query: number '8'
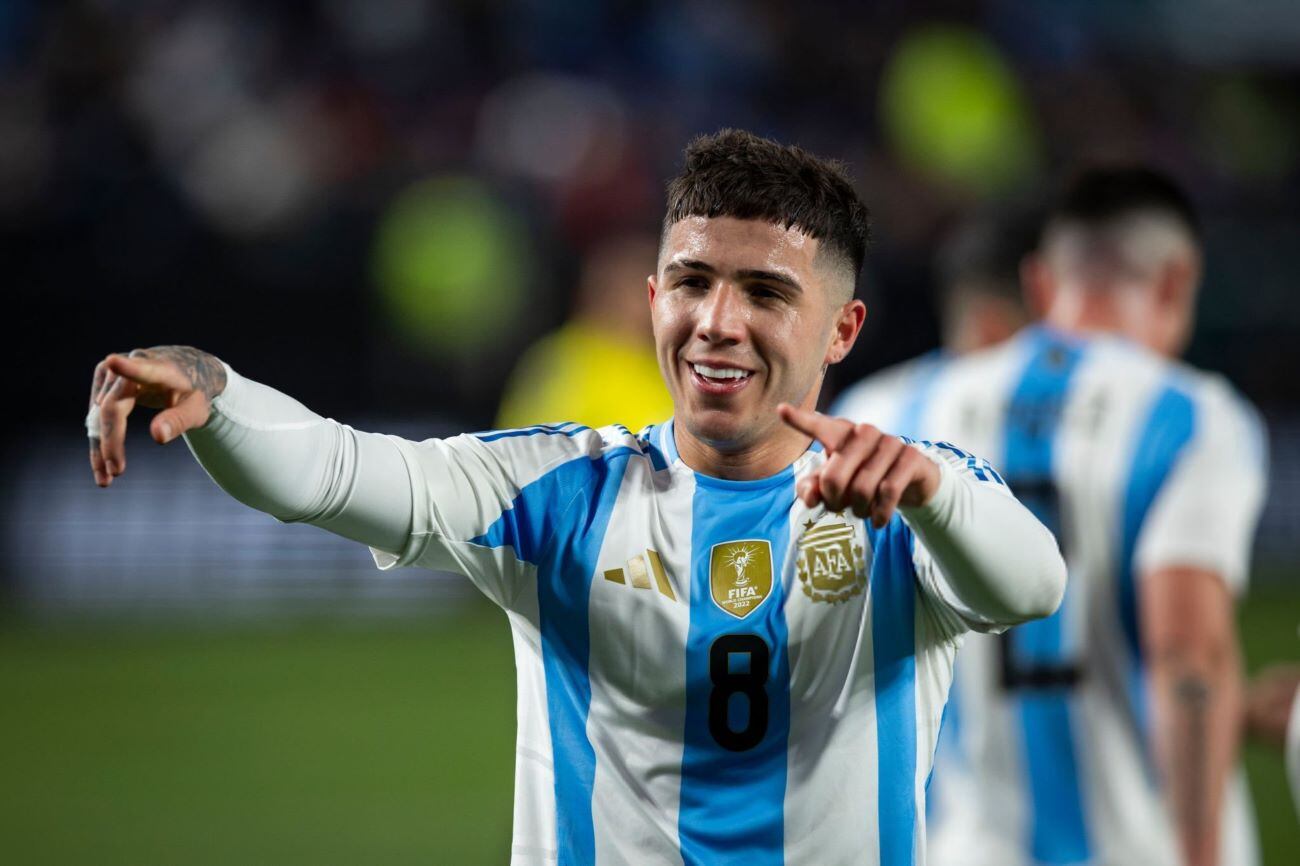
749,682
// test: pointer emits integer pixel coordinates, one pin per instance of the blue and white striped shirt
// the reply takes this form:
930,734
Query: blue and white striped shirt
708,671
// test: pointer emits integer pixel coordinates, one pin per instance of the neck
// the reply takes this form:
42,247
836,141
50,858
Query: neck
1086,313
770,455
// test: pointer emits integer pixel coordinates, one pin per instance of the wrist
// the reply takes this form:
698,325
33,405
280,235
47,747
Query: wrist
933,493
224,404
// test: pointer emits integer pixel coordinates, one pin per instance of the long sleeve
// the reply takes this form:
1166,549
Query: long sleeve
272,453
982,555
483,505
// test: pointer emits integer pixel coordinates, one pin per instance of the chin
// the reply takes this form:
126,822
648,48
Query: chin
722,430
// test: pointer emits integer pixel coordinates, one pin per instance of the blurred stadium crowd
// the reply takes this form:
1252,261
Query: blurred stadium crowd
379,205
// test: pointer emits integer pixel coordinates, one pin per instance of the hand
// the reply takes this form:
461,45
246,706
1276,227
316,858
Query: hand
1270,695
867,470
178,379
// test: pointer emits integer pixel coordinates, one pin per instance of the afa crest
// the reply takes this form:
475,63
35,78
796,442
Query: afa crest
740,575
832,565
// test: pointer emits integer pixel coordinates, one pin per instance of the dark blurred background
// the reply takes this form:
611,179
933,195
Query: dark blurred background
377,206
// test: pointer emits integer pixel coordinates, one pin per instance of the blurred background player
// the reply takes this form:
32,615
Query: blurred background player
599,367
1108,733
980,304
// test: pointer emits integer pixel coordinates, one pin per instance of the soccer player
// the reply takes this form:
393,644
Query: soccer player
733,631
1107,733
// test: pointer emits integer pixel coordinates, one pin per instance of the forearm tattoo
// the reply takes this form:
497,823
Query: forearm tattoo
204,371
1192,696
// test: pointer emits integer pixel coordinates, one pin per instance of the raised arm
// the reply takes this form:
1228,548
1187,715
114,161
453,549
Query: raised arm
263,448
1000,565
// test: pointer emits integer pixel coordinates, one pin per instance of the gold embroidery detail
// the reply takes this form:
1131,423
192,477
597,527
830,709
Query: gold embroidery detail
832,565
740,575
639,574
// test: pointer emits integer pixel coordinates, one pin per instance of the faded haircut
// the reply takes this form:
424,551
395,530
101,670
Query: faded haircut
738,174
1102,195
1115,220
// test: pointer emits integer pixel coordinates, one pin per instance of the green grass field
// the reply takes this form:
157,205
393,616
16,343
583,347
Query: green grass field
317,744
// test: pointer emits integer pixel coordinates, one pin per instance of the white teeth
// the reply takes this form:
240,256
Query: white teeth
720,372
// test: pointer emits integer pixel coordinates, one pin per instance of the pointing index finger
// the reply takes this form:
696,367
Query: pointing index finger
829,431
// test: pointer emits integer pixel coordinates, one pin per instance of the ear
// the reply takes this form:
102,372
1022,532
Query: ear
651,288
848,324
1178,279
1038,285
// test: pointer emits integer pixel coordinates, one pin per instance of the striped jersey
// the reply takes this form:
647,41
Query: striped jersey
1135,462
708,671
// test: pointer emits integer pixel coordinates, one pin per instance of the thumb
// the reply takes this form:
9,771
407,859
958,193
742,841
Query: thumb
189,413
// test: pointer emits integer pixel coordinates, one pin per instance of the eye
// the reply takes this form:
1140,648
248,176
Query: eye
766,293
693,281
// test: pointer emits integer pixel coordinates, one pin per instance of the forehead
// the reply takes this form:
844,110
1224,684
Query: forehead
730,244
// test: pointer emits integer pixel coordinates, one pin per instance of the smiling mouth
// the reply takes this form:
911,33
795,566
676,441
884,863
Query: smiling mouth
719,380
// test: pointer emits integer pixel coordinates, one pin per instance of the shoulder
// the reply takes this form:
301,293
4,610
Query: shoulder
1224,414
546,443
1214,393
526,455
1176,408
1211,401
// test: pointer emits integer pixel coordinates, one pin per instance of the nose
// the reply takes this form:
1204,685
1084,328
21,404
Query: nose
721,318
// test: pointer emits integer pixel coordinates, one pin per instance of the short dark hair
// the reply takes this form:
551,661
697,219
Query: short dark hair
738,174
1103,194
985,252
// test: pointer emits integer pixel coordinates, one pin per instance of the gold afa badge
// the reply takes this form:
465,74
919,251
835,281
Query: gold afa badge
740,575
832,566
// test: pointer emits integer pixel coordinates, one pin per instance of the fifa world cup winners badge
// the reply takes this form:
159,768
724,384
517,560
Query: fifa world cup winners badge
740,575
832,565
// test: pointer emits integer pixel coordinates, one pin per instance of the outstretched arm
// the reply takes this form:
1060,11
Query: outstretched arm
999,561
263,448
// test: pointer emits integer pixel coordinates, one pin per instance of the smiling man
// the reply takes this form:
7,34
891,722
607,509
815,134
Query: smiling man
733,631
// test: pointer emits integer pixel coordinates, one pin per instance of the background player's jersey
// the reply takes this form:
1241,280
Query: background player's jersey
1135,463
894,398
708,671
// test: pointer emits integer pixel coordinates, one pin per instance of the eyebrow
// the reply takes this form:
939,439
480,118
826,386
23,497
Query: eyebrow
745,274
